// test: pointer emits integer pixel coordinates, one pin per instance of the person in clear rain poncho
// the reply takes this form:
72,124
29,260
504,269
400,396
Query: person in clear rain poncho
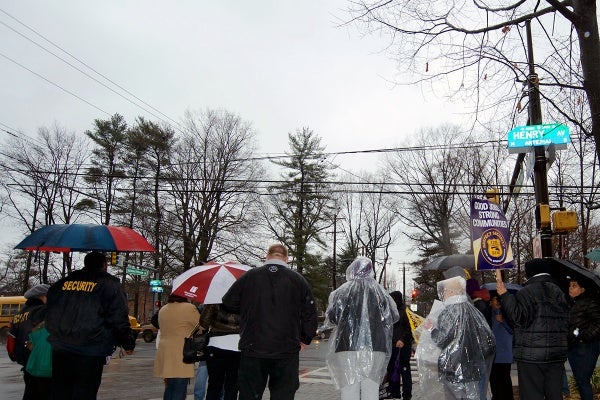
363,315
465,342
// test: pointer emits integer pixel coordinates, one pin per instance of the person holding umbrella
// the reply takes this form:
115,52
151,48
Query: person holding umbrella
540,312
584,335
87,317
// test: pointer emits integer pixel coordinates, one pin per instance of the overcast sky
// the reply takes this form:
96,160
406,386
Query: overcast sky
280,65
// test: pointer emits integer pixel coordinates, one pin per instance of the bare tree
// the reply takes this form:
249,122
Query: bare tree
432,182
477,51
213,187
42,182
370,217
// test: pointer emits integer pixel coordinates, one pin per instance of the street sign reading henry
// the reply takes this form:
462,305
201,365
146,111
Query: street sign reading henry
490,236
522,138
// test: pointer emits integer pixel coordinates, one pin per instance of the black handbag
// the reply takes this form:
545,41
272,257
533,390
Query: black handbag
194,346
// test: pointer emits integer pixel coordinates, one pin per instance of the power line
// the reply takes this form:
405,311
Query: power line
87,66
55,84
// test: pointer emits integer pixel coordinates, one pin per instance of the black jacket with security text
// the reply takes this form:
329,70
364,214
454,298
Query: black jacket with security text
32,314
87,314
277,310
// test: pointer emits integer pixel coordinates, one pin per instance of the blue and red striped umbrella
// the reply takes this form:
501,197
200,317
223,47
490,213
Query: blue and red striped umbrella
84,237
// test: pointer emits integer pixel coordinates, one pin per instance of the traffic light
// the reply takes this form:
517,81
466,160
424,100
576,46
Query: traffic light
157,304
114,258
415,293
542,216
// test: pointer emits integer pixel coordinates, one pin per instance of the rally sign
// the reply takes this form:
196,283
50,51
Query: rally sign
490,236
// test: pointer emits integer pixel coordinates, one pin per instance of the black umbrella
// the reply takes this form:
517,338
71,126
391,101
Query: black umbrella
442,263
564,271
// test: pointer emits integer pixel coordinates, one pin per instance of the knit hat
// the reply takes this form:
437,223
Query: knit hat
37,291
535,266
456,271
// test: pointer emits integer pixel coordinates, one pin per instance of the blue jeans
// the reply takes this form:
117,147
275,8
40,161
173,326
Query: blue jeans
200,383
582,359
176,388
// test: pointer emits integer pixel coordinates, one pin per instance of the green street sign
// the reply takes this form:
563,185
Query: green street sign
136,271
523,138
155,282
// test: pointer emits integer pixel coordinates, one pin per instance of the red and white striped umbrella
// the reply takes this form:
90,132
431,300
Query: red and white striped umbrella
209,282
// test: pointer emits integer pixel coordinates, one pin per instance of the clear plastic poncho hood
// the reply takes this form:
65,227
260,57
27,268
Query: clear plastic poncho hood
456,347
363,315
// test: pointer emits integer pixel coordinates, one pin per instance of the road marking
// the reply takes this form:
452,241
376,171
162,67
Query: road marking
319,375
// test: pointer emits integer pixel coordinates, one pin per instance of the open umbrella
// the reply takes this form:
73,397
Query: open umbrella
565,270
455,260
594,255
84,237
209,282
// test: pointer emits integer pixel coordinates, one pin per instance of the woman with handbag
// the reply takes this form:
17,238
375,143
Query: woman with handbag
176,320
223,356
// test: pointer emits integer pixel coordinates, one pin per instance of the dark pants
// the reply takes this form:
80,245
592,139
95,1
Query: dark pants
282,374
223,368
36,387
500,382
540,381
75,377
176,388
405,373
582,359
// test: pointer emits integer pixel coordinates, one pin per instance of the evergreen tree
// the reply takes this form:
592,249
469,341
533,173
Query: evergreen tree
301,203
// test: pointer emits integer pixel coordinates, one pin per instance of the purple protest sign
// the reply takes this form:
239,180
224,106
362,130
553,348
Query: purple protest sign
490,236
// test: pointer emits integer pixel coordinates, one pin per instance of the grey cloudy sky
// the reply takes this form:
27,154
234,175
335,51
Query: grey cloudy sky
281,65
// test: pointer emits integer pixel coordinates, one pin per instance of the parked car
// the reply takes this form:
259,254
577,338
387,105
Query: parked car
323,332
135,326
149,332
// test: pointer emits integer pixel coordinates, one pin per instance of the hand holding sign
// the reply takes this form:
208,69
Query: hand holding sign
500,287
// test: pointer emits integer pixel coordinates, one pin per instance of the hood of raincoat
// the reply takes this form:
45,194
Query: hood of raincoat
361,268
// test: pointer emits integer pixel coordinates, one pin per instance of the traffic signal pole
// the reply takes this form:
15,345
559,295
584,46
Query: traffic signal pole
540,170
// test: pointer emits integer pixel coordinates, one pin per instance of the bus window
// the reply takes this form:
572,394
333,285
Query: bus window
9,307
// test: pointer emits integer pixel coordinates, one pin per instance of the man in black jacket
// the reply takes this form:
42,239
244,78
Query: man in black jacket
540,312
278,318
87,316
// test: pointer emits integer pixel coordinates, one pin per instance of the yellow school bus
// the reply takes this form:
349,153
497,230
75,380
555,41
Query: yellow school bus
9,306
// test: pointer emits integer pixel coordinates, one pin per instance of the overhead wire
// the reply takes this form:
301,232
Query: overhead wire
172,121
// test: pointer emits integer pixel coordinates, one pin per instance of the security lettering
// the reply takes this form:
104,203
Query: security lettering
17,319
79,286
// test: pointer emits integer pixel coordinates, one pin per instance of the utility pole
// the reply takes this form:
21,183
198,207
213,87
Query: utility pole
404,279
540,171
334,269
